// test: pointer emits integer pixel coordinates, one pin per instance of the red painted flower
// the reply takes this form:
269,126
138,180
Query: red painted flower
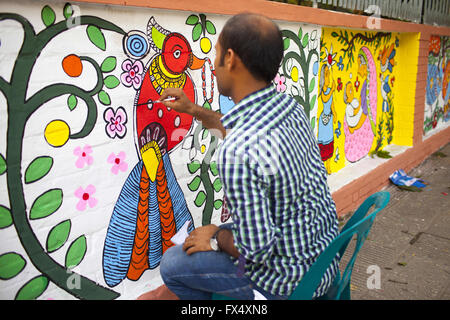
339,86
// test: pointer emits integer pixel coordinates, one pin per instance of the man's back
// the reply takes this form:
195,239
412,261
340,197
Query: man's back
276,189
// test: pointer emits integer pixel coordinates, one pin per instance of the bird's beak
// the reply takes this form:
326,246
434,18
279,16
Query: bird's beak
196,63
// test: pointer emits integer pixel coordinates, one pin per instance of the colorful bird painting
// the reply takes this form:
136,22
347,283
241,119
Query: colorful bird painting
386,57
151,207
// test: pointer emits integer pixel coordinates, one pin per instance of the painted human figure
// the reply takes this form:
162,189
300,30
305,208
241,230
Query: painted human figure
328,116
354,115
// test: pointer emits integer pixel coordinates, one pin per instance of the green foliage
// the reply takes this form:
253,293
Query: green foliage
38,169
33,289
72,102
5,217
192,20
11,264
96,36
48,16
195,183
196,32
218,204
109,64
210,28
2,164
67,11
76,252
194,166
111,82
366,39
201,26
200,199
104,98
46,204
57,237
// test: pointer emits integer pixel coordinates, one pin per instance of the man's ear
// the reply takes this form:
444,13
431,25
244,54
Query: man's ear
231,59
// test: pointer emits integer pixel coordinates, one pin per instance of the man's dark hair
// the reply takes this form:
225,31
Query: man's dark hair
257,41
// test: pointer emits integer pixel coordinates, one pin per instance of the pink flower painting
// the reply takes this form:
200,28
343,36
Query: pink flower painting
115,122
280,83
118,162
83,155
133,73
86,197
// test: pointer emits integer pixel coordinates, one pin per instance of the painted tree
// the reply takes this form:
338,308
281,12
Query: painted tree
304,54
19,110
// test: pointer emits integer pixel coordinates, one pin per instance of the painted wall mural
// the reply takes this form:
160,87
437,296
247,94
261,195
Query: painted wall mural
356,95
437,114
96,175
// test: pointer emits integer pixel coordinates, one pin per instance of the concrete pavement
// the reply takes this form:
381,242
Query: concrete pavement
409,243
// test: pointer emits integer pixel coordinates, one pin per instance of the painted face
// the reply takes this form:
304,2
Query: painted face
176,54
349,92
327,78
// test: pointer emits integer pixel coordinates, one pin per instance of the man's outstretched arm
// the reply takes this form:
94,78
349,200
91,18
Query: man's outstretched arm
209,119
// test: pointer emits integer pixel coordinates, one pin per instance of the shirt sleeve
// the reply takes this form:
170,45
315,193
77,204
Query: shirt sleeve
254,231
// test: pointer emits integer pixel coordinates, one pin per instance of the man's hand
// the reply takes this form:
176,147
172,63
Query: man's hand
198,239
209,119
181,104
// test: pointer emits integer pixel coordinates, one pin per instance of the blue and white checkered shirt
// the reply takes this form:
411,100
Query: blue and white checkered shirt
276,188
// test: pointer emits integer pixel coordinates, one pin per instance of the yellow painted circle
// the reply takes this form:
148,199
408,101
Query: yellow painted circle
57,133
203,148
205,44
294,74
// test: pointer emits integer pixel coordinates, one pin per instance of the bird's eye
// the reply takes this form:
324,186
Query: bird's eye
177,54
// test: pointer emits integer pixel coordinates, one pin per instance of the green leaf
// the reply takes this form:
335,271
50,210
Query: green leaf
11,264
38,169
200,199
300,33
195,184
33,288
111,82
5,217
207,105
96,36
192,19
194,166
104,98
109,64
48,16
213,167
72,102
334,34
312,84
67,11
210,27
57,237
305,40
383,154
197,32
286,43
205,134
2,164
76,252
313,123
218,204
217,185
46,204
313,101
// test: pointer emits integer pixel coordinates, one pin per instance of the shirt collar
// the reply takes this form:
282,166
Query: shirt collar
229,120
